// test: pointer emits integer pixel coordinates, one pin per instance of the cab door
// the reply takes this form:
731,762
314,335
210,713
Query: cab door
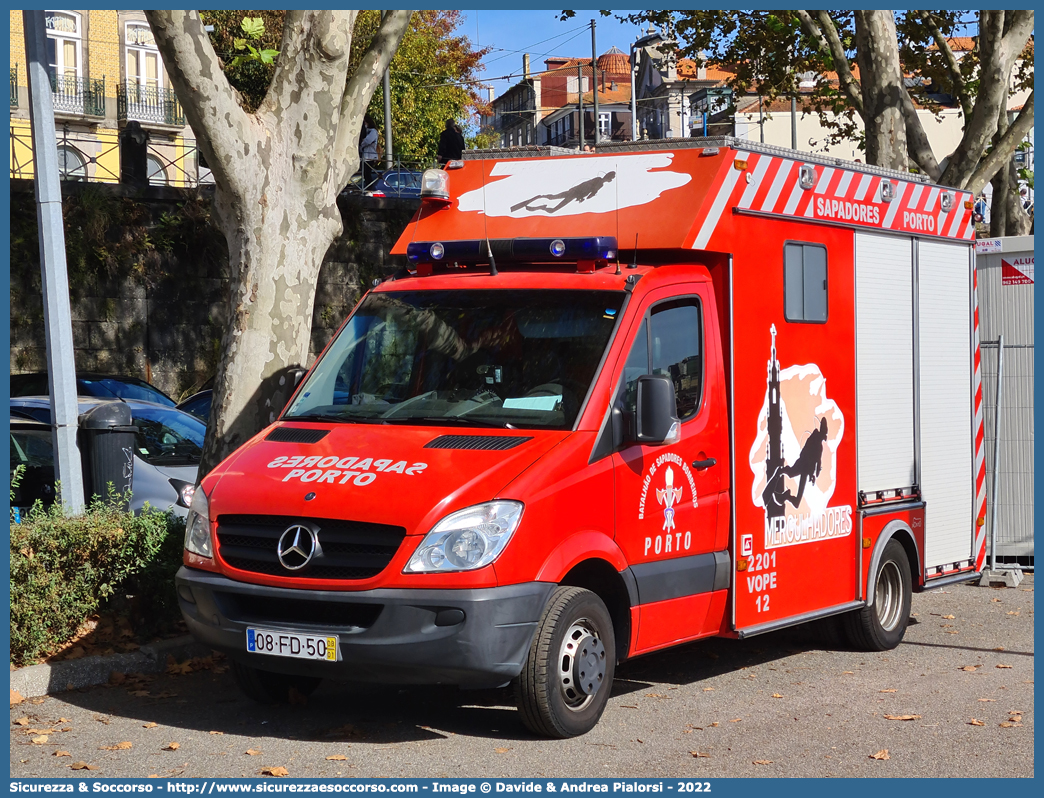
667,496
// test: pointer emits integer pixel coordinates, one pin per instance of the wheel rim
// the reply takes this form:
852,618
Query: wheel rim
888,598
581,665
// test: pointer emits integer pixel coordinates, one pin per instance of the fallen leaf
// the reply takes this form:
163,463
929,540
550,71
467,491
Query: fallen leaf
654,695
999,648
255,752
64,720
903,717
149,725
83,766
987,699
16,697
172,746
969,668
1014,612
1008,724
39,740
882,754
974,722
276,771
762,761
22,722
777,695
118,747
708,689
851,673
217,732
699,755
1004,666
715,723
61,753
501,750
889,690
947,617
735,720
995,600
117,678
334,757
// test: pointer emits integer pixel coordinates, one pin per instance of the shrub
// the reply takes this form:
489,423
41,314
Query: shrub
64,568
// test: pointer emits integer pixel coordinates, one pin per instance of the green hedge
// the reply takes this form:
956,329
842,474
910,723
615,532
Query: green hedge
64,569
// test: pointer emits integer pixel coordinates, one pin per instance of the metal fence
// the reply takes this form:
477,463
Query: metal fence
148,104
1008,310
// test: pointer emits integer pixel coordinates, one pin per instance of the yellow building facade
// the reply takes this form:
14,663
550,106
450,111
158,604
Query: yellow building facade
105,72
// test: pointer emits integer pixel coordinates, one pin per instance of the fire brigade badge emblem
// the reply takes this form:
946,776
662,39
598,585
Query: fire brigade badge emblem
668,497
794,457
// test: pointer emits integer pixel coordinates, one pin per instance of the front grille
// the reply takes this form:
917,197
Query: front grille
493,443
350,549
344,616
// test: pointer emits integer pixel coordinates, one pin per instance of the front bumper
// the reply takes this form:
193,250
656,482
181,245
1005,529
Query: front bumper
473,638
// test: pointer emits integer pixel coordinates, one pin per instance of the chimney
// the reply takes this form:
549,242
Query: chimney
489,94
525,66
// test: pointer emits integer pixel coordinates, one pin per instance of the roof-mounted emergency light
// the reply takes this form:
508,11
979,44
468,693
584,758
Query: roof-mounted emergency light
435,185
594,250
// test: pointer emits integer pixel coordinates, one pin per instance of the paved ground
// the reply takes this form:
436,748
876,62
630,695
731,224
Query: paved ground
777,705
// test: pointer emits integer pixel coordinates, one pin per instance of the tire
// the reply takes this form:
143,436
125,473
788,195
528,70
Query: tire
565,682
266,687
881,626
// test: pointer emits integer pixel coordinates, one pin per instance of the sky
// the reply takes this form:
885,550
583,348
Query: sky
539,33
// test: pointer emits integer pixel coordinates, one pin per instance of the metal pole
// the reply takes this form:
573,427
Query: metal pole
594,87
996,455
61,365
580,99
793,123
388,157
634,104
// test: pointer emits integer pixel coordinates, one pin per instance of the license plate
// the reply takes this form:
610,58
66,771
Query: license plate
292,644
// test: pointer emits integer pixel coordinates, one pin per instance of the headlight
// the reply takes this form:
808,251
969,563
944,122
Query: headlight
185,491
467,539
197,526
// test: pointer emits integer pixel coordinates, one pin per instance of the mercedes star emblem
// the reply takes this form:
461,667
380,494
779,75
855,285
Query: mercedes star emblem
296,547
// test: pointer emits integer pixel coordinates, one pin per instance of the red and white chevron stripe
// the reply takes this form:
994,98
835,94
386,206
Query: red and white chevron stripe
980,440
839,195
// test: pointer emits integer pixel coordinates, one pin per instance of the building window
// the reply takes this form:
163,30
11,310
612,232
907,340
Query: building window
157,174
805,282
63,45
143,59
604,125
71,163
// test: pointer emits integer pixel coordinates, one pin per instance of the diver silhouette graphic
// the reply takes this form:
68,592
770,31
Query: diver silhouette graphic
578,193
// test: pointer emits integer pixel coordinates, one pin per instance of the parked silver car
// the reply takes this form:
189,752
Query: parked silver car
167,450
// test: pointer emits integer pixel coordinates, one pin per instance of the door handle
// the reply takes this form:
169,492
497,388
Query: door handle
699,465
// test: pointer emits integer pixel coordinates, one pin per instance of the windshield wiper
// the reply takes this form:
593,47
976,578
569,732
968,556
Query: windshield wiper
331,417
463,421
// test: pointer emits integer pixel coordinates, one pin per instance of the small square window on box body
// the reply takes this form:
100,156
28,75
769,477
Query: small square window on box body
805,282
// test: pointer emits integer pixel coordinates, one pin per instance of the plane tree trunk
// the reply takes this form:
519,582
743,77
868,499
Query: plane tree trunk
278,172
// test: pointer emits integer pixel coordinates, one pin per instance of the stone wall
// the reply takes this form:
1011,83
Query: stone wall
162,320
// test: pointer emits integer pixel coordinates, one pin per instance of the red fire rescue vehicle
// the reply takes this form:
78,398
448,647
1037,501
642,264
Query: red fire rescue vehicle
617,402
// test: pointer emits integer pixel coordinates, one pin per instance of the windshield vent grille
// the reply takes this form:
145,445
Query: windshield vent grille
489,443
296,435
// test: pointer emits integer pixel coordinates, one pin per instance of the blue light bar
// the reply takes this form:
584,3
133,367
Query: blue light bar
514,250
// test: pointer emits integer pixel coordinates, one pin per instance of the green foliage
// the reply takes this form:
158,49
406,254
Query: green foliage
433,78
247,42
63,569
254,29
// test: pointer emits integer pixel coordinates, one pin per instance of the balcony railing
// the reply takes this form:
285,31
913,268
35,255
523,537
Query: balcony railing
14,87
80,96
148,104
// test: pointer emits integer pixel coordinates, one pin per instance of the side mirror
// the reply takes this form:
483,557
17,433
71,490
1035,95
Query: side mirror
656,419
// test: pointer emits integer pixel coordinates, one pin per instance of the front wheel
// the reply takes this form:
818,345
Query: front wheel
881,626
566,679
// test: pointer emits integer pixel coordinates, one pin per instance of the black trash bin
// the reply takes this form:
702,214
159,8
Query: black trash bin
107,446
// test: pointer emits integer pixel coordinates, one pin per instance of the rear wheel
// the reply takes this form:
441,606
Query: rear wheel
881,626
566,679
266,687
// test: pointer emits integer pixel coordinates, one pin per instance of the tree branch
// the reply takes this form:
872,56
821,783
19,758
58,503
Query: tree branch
216,117
917,144
1003,149
824,32
952,65
361,87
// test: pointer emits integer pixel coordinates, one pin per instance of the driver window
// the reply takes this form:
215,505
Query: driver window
676,338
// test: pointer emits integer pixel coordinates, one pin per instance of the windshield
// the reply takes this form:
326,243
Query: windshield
125,390
500,358
168,438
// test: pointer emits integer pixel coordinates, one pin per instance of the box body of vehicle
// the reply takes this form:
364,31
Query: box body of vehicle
764,410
